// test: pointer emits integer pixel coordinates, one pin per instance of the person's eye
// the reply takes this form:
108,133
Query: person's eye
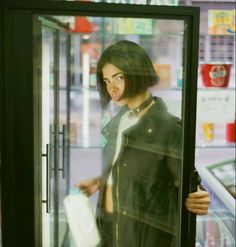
120,78
105,81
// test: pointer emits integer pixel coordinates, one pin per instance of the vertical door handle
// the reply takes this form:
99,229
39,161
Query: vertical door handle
63,133
194,182
48,183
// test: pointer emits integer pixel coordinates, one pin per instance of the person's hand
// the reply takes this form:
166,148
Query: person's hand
89,186
198,202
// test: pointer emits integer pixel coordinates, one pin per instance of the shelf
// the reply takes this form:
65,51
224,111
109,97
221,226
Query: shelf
213,145
207,89
154,34
216,145
212,1
218,35
85,147
80,89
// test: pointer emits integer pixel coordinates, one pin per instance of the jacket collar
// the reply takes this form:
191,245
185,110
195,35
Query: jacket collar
149,119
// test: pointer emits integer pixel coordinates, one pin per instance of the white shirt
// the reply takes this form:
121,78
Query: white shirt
124,124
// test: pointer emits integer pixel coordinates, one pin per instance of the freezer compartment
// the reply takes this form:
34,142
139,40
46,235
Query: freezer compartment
217,228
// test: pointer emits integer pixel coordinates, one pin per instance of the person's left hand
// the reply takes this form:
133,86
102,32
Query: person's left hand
198,202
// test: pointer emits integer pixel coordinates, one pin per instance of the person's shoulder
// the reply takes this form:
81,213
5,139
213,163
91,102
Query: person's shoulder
114,121
159,112
167,123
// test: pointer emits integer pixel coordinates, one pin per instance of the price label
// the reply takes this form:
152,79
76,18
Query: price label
216,106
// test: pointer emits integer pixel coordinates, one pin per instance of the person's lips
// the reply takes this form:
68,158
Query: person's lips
115,95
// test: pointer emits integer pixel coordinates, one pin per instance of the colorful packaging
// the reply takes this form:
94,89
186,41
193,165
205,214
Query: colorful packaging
221,22
231,132
133,26
208,132
215,75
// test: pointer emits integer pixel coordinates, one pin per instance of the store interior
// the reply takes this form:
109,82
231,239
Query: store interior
79,115
215,104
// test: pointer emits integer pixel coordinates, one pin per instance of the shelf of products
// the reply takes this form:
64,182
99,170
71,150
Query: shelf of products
216,145
214,48
215,121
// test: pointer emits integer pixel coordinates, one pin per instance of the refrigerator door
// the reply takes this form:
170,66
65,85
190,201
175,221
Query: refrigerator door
49,137
55,87
164,40
58,81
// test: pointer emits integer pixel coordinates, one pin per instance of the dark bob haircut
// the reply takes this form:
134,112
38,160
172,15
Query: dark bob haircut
134,62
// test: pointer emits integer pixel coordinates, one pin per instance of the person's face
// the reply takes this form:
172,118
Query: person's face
115,83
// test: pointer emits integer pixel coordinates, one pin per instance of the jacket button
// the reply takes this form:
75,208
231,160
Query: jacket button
149,130
124,212
124,164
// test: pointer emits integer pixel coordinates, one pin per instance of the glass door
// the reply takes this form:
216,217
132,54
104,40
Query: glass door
64,133
49,145
169,37
55,129
165,42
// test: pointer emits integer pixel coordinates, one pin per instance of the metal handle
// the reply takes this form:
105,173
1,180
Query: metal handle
48,184
63,133
194,181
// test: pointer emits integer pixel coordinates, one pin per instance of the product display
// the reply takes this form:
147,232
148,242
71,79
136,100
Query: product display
180,77
221,22
208,132
218,227
230,132
215,74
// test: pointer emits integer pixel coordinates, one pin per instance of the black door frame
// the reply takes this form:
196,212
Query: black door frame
20,192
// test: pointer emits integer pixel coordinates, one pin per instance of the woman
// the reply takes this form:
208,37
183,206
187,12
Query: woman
138,198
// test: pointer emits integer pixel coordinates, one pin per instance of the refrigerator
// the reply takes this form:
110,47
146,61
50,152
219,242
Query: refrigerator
57,103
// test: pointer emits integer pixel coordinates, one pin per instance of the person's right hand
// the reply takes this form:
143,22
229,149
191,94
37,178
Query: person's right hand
89,186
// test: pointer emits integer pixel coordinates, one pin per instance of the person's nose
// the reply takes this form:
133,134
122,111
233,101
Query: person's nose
112,85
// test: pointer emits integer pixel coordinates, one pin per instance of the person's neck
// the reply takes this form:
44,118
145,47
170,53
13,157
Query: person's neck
137,100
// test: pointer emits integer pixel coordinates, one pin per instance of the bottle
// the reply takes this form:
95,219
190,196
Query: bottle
81,219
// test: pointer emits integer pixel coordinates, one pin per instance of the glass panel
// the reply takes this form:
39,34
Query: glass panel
137,170
63,181
48,128
91,35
